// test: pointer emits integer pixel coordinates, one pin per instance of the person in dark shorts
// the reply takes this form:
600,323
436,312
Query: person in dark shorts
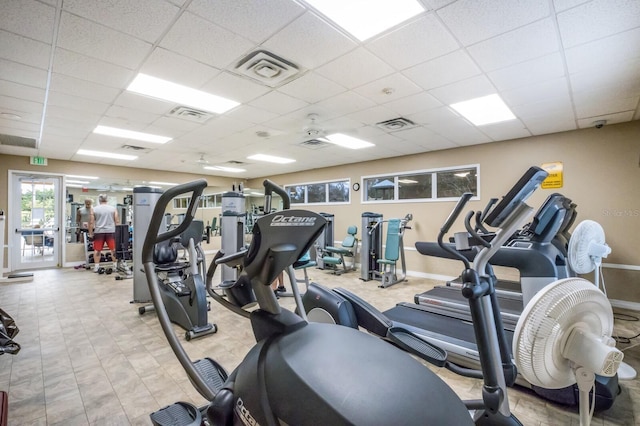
103,229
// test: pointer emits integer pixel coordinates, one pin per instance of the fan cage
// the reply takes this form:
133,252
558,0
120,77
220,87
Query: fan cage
586,233
545,324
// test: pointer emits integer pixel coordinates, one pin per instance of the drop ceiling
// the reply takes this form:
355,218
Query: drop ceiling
64,67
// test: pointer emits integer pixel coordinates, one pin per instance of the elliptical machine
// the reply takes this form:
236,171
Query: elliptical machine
182,287
301,373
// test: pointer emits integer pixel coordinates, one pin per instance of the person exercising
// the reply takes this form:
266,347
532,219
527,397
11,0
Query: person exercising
103,229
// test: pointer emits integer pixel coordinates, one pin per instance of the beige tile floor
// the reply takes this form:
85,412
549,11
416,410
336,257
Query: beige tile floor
88,358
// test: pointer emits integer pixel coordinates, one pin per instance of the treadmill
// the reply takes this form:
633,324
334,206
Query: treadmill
538,251
454,332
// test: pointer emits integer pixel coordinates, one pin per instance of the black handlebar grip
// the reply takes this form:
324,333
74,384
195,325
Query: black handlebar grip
152,237
456,212
270,186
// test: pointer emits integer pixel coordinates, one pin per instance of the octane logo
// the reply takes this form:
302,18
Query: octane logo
244,414
282,220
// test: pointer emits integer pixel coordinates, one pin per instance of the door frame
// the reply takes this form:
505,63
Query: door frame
13,237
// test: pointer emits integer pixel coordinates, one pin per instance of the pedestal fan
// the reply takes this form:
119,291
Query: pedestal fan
564,337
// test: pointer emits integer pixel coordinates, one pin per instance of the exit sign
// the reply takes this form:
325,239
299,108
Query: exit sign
38,161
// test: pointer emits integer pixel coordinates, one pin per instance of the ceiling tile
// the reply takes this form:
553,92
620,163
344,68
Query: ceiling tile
464,90
309,41
597,19
534,92
278,103
548,67
373,115
356,68
22,125
179,69
133,119
24,51
82,88
22,74
512,129
73,102
443,70
435,115
144,103
174,126
561,5
612,118
20,91
605,52
312,87
253,19
596,106
191,36
544,107
617,77
389,88
423,39
86,68
524,43
344,104
28,18
424,138
459,131
145,19
472,21
544,126
251,114
236,88
413,104
86,37
22,105
55,111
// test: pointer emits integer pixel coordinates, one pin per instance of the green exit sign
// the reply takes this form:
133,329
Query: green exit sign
38,161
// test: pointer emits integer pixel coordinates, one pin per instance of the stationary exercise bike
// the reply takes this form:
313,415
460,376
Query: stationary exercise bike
298,372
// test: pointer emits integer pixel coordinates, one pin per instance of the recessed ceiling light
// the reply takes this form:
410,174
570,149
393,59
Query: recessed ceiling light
130,134
83,177
484,110
183,95
347,141
364,19
106,154
225,169
270,159
74,185
164,183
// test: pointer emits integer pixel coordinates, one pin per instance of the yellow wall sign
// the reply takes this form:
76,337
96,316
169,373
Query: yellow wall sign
554,180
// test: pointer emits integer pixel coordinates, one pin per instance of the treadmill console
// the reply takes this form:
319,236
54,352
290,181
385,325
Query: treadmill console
528,183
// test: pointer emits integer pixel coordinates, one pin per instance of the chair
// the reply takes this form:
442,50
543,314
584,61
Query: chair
333,257
34,239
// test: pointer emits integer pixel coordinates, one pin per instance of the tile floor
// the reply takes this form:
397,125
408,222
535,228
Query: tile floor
88,358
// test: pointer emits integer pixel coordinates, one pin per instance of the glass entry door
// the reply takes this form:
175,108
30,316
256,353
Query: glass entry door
35,221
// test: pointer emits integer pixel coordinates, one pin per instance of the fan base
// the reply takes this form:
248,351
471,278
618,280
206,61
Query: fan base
626,372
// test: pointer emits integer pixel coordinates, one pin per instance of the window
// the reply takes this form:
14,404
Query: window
208,201
422,185
319,192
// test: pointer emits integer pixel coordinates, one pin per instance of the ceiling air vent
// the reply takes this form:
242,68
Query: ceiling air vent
11,140
267,68
396,124
190,114
314,143
135,148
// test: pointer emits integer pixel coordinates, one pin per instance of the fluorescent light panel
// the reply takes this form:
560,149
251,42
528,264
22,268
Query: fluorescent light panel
164,183
73,185
167,91
77,181
83,177
367,18
225,169
484,110
270,159
347,141
130,134
106,154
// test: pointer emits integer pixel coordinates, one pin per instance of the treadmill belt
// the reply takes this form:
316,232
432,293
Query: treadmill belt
509,305
436,323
